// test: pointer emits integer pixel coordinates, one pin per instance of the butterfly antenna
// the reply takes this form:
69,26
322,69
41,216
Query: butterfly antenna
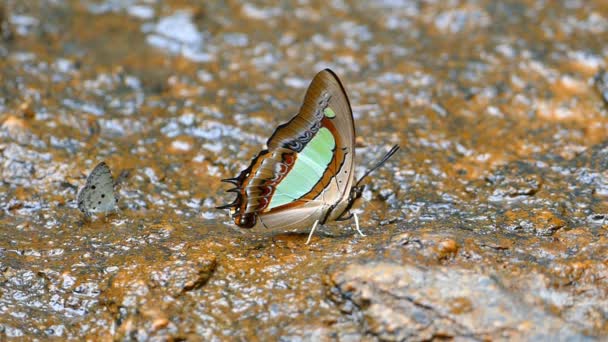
381,162
123,176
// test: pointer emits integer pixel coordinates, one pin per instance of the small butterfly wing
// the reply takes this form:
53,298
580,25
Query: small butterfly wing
98,196
327,95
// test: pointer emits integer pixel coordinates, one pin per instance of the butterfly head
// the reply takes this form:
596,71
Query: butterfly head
357,190
355,193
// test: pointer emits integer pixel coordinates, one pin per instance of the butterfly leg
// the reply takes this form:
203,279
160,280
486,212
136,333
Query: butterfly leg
314,226
357,225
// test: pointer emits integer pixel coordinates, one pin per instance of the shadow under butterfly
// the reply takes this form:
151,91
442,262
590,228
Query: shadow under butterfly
306,175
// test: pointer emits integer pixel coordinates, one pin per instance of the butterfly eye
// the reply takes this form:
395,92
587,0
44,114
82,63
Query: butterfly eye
246,220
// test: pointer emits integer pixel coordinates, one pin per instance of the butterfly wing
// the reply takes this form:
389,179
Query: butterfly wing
98,194
307,170
326,105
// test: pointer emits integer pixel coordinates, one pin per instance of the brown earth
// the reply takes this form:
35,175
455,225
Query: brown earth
490,223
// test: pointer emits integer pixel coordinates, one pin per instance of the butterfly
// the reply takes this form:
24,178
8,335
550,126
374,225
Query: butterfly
98,195
305,176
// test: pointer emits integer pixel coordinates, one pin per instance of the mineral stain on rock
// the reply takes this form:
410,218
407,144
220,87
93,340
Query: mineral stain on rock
491,223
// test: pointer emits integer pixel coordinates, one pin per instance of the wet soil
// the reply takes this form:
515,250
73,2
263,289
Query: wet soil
490,223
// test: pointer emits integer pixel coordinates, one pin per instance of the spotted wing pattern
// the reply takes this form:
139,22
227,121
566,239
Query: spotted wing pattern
98,196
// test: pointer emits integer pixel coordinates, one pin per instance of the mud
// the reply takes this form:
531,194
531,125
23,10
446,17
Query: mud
490,223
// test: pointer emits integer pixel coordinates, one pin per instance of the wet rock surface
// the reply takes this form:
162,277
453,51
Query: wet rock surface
490,223
491,283
396,301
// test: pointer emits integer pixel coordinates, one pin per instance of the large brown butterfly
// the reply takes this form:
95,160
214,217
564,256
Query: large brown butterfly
305,177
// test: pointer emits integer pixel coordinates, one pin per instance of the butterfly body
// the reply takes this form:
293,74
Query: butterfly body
306,174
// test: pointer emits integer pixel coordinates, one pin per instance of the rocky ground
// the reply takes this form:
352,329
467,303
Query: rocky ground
490,223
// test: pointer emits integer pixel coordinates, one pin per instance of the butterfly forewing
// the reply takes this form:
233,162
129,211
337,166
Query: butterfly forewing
325,105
